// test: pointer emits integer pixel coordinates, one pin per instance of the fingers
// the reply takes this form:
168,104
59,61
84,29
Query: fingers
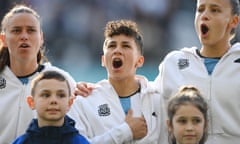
130,113
137,124
83,89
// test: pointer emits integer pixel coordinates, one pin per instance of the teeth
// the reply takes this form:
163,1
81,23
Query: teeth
24,45
117,59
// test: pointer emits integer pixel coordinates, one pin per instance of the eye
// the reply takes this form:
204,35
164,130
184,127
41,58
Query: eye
182,121
31,30
61,94
15,31
200,10
45,95
126,46
111,46
215,10
196,120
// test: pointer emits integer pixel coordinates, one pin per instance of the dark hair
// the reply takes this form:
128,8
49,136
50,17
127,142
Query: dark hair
235,11
49,75
126,27
4,53
187,95
235,7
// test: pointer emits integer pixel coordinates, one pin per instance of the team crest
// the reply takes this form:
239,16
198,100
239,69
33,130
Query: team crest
183,63
2,83
104,110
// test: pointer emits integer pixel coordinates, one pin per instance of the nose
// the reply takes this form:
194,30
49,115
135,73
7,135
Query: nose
205,15
53,100
24,35
118,50
189,126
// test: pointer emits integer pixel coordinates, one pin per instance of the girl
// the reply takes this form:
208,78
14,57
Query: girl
187,113
21,59
213,68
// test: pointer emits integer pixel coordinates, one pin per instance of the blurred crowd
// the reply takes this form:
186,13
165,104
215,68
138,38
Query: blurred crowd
73,30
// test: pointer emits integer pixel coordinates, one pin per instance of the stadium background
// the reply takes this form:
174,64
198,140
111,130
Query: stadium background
73,31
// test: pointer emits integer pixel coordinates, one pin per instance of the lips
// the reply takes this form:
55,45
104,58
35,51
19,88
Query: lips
52,110
24,45
189,136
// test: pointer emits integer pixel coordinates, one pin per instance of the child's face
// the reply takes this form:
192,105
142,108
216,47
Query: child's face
23,36
51,101
214,21
187,125
121,57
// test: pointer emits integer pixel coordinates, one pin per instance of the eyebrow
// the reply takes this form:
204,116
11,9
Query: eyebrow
125,42
24,26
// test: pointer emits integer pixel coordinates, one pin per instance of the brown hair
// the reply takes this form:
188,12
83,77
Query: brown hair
49,75
126,27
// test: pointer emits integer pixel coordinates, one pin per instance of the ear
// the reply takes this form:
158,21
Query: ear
103,61
140,61
42,38
30,102
169,126
235,21
70,101
2,40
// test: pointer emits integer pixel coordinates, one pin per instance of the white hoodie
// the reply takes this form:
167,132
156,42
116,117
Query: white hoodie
101,119
221,88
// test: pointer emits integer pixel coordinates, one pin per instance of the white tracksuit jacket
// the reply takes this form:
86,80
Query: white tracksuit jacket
15,114
221,89
101,119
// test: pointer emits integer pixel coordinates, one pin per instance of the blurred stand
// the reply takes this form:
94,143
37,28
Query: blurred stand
73,31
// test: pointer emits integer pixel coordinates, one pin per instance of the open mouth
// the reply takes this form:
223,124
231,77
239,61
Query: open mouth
24,45
117,63
204,29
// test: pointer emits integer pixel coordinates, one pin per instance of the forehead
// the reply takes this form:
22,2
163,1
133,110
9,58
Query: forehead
220,3
23,19
119,38
51,84
188,110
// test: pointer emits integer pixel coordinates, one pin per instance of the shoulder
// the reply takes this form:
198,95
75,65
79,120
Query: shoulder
180,53
22,139
102,87
182,56
235,47
79,138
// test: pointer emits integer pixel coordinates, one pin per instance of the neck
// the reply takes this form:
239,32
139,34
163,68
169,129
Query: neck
125,88
20,69
212,51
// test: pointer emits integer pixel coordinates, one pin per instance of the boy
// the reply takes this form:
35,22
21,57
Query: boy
51,97
122,109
